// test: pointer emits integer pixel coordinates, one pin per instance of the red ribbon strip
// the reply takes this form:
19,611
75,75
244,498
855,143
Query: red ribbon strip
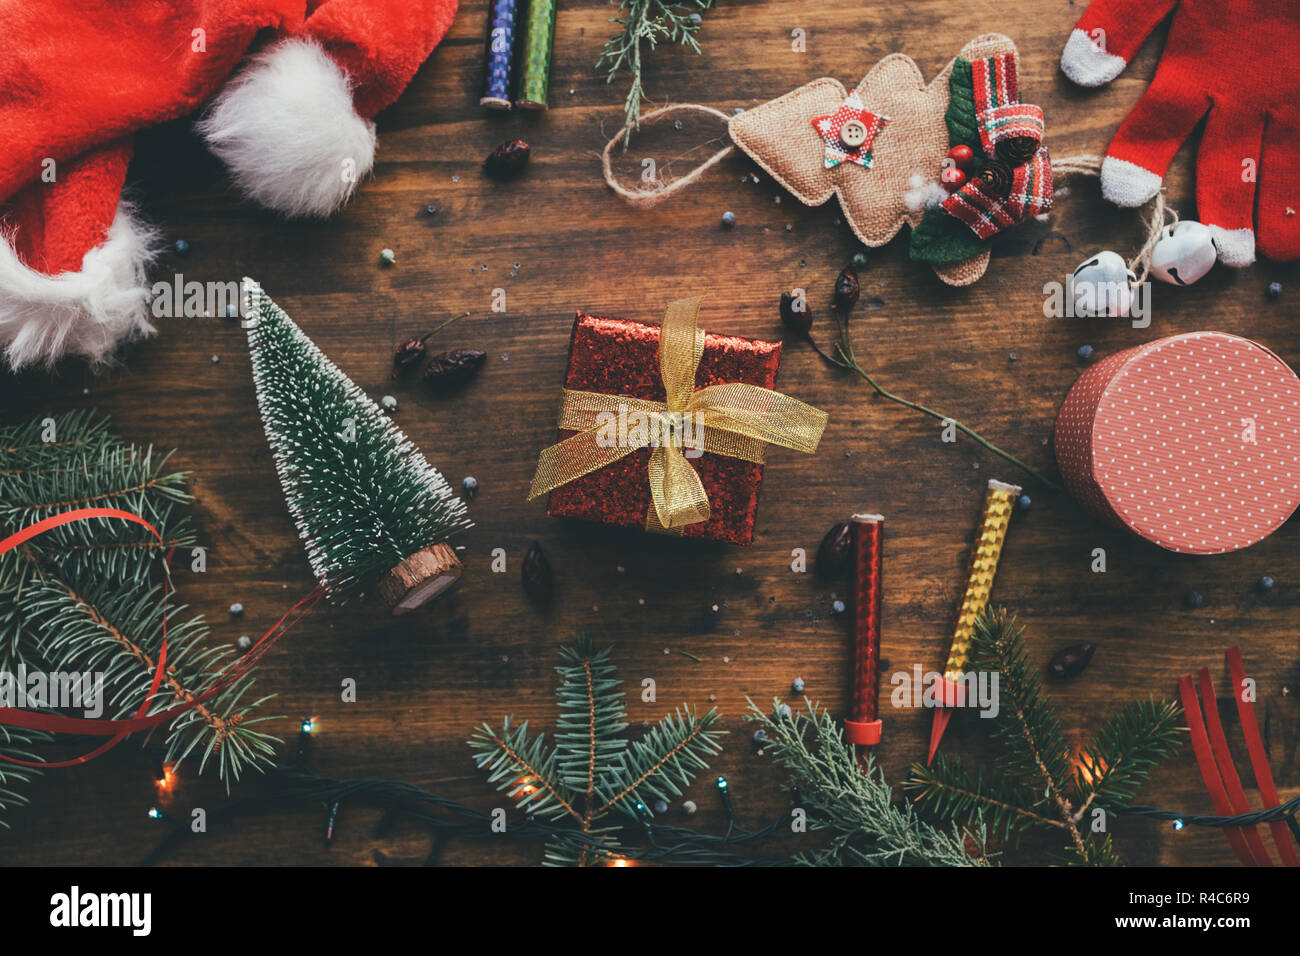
1223,756
1258,758
119,730
1209,771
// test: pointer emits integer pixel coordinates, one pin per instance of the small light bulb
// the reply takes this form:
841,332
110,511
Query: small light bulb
722,782
1179,824
155,813
307,724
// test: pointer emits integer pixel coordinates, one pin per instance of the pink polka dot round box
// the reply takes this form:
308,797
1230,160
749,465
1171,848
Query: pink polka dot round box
1191,441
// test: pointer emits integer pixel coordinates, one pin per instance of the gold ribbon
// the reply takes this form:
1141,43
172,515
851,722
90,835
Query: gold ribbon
732,419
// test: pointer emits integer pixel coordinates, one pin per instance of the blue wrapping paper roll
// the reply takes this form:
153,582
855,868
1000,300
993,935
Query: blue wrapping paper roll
502,18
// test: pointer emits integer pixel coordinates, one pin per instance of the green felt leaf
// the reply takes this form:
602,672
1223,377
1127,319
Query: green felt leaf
940,238
960,117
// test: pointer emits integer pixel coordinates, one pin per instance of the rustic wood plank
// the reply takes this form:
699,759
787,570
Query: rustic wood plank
427,679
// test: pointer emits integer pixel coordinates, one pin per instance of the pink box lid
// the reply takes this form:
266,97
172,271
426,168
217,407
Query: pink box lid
1191,441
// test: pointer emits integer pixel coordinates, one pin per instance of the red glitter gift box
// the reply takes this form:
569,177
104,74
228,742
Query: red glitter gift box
1191,441
621,357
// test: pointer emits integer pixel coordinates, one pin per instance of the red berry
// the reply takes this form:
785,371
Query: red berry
952,178
962,155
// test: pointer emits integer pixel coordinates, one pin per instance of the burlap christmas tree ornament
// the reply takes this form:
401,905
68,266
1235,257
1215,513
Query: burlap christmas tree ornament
781,138
883,147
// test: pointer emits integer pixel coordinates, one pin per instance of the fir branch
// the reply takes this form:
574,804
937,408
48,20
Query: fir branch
1037,786
648,22
853,802
951,792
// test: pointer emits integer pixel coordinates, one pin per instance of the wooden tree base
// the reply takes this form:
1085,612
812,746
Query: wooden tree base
420,578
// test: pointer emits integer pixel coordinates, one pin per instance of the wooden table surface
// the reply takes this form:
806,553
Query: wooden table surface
557,240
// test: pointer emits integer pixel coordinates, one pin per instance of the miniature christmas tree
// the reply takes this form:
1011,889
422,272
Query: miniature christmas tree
592,770
88,597
372,512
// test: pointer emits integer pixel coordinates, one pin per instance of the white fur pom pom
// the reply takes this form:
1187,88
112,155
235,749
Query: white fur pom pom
286,127
86,313
923,194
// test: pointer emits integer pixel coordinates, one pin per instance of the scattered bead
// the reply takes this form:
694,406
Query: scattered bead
1084,352
837,606
387,257
244,642
389,403
1274,290
860,260
689,807
431,210
1023,502
182,247
469,484
797,685
216,359
1266,583
661,807
236,609
1011,356
1193,599
728,218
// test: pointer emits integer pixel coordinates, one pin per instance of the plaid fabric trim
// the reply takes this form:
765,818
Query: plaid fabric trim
984,212
1013,121
987,214
1031,188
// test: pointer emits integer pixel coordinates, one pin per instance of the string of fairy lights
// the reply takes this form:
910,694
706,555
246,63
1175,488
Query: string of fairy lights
641,839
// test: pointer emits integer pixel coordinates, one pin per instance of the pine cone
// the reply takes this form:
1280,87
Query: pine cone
997,177
1016,151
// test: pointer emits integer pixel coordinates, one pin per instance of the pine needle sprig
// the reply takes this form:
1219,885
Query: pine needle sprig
1037,785
592,769
17,743
648,23
88,598
853,802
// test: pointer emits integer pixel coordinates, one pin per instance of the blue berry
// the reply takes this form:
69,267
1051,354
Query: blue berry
728,218
387,256
695,19
182,247
236,609
760,735
661,807
859,260
1023,502
837,606
244,642
1266,583
1193,599
797,685
1085,352
1274,290
783,710
470,484
389,403
689,807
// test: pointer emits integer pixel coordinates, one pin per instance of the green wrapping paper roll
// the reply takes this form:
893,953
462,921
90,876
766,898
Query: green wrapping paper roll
539,38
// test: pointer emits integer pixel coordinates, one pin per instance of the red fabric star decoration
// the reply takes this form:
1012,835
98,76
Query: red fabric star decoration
849,133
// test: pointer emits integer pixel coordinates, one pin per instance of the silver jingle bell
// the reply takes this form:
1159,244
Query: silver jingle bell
1184,253
1102,286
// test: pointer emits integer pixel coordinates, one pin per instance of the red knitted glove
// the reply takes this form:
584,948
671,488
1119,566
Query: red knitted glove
1232,59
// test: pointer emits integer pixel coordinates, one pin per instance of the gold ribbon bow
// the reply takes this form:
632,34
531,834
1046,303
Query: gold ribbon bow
733,419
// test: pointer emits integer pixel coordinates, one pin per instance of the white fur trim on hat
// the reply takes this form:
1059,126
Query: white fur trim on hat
1086,63
1127,184
1236,247
286,127
86,313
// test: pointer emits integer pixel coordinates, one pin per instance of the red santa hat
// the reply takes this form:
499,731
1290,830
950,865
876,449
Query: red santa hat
79,77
